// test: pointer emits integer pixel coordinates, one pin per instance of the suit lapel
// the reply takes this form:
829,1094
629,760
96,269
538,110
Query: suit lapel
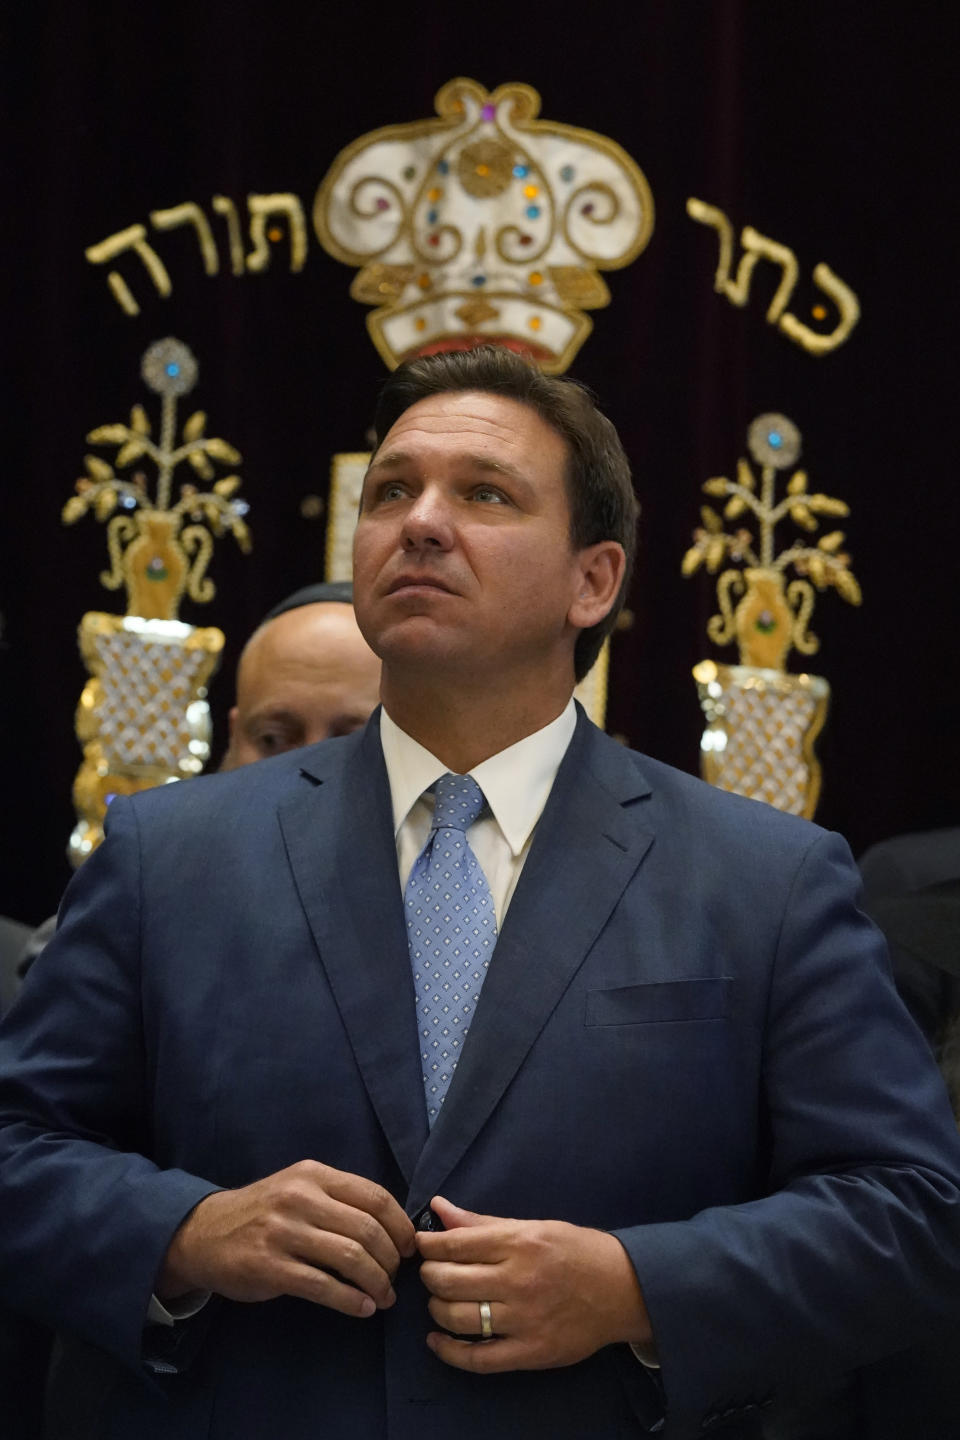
339,837
584,854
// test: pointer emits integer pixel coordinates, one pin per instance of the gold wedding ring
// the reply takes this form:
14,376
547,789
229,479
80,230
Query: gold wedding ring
486,1321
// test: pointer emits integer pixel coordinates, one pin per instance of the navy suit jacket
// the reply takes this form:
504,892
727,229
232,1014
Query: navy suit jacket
687,1035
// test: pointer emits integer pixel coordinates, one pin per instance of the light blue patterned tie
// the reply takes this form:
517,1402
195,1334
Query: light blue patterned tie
451,932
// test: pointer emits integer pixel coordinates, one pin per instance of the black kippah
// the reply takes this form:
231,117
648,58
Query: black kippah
337,592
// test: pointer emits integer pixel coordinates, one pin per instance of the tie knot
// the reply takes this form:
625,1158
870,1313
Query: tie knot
458,802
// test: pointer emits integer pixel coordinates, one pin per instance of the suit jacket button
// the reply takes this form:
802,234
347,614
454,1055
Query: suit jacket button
426,1220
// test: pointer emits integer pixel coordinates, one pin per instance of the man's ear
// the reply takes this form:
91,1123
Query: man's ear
229,761
601,568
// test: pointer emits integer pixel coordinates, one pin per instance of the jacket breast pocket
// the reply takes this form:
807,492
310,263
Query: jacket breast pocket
661,1002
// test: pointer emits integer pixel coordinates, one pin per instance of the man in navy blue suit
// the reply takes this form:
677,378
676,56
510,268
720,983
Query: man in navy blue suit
667,1147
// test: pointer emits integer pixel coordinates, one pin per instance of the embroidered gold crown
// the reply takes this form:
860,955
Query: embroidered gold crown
484,224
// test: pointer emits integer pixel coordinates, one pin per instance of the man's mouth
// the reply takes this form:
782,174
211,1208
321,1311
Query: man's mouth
417,582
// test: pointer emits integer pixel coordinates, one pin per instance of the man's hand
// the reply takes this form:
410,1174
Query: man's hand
556,1292
311,1231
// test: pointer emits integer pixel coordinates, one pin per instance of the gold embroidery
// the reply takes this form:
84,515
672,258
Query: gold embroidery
578,286
149,550
485,168
758,247
190,214
769,620
263,206
475,312
475,202
375,283
133,238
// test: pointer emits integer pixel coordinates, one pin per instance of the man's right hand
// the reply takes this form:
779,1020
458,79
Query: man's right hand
311,1231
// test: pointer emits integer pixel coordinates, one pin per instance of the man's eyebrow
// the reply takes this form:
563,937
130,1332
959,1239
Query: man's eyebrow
277,714
392,457
396,459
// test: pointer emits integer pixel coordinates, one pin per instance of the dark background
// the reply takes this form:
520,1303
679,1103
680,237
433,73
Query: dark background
828,127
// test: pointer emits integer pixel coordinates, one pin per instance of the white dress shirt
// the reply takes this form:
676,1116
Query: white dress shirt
516,783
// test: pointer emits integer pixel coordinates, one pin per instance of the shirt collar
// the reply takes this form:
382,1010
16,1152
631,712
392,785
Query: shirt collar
516,782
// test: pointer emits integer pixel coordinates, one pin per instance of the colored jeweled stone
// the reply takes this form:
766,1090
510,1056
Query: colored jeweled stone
443,166
433,239
168,367
526,239
567,173
765,622
774,440
383,204
479,280
532,212
489,112
409,172
534,322
587,209
431,217
520,171
531,191
535,278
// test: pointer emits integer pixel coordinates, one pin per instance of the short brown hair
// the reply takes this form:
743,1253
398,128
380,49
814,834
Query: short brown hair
598,481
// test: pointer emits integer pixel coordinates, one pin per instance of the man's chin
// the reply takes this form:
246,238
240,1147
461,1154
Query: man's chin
419,642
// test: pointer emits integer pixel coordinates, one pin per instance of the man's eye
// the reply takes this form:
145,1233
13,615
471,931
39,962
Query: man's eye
488,494
382,494
392,490
346,725
275,742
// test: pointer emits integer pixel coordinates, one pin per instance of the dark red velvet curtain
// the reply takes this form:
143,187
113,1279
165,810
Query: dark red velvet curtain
827,127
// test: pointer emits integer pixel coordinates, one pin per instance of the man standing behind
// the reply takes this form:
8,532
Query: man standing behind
473,1026
306,674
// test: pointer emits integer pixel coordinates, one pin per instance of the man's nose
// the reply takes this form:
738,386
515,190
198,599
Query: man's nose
428,521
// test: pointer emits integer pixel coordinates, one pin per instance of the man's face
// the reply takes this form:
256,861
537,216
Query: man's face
305,676
462,553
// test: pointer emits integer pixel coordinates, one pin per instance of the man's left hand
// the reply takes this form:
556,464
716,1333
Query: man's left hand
556,1292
